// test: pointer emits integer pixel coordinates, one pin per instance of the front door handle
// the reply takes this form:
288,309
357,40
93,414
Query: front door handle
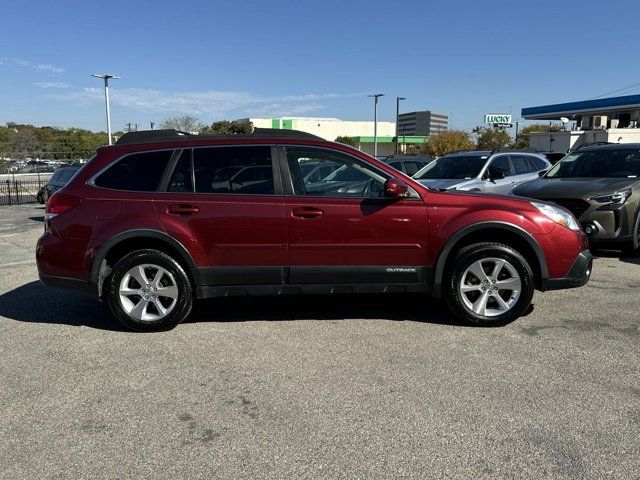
182,209
307,212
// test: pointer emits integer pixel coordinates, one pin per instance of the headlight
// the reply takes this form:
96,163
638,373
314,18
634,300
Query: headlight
617,198
558,215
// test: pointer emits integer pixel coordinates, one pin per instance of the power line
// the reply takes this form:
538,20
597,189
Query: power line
620,90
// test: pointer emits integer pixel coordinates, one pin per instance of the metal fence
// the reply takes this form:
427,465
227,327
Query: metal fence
20,192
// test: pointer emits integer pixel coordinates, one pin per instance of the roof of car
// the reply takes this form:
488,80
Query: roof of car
611,146
168,135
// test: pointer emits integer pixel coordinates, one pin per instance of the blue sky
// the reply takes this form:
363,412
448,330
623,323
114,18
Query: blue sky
226,60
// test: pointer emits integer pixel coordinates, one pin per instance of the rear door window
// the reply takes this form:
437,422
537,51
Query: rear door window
233,170
138,172
520,164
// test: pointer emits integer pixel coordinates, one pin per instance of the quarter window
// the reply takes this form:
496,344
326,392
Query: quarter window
350,177
140,172
236,170
537,163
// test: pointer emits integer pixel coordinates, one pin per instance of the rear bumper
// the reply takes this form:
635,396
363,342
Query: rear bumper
65,282
577,276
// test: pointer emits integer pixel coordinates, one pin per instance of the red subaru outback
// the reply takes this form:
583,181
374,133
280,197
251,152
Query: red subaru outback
161,219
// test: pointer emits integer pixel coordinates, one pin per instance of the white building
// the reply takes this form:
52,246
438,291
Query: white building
327,128
331,128
614,120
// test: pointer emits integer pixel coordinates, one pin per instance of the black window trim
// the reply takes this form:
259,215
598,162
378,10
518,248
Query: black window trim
173,161
287,179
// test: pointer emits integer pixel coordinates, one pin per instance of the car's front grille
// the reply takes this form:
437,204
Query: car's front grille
576,206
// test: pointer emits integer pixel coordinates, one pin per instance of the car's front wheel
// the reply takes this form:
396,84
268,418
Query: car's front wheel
489,284
147,290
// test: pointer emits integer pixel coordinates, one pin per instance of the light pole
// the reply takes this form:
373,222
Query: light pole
398,99
517,124
375,121
106,77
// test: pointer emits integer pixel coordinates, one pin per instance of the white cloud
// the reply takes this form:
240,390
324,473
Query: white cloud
43,67
212,103
51,85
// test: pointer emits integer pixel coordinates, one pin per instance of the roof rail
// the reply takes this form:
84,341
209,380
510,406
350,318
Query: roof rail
278,133
148,136
144,136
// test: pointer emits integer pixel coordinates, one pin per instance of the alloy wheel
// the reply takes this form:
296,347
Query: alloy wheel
490,287
148,292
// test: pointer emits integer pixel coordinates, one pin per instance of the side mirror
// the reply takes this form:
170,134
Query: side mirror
542,173
395,188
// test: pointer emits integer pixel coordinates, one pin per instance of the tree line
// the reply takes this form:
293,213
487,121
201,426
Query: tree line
481,138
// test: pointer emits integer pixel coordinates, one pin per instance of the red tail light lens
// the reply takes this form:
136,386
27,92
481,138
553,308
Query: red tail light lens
60,203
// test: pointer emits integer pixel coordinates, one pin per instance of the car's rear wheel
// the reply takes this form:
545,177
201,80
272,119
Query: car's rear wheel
489,284
147,290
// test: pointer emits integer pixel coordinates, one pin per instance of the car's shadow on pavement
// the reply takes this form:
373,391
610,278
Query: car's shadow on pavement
395,307
36,303
633,258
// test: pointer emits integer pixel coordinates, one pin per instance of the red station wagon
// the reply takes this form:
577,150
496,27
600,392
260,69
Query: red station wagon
161,219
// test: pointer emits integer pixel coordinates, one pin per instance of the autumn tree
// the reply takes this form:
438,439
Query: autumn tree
492,138
446,142
524,135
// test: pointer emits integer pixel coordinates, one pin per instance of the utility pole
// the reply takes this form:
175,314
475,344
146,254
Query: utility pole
106,77
398,99
152,124
375,121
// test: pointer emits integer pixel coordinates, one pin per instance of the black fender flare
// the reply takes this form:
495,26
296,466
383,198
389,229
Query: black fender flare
94,279
474,227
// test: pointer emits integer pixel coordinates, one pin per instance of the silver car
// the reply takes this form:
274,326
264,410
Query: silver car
482,171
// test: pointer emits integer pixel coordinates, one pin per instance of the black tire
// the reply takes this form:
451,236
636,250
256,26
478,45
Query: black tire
633,248
181,308
468,256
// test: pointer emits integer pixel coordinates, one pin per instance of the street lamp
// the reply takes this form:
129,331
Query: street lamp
375,121
398,99
106,77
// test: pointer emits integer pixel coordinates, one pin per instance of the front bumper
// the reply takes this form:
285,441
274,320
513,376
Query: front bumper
578,274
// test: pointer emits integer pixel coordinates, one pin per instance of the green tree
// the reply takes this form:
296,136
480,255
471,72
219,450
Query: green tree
226,127
446,142
346,140
524,135
492,138
184,123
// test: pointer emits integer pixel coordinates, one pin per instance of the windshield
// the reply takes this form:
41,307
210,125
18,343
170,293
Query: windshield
609,163
455,166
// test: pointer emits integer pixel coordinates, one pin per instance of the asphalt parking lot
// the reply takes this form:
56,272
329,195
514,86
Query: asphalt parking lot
317,387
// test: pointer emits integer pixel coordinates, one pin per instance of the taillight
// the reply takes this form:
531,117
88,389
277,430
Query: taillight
60,203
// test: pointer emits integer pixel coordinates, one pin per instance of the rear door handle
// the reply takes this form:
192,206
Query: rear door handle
307,212
182,209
